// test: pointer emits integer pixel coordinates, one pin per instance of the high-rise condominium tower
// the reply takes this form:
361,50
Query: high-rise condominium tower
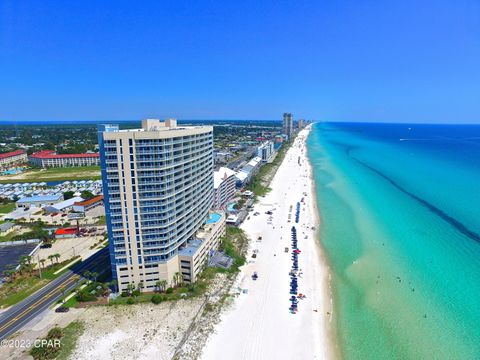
158,187
288,124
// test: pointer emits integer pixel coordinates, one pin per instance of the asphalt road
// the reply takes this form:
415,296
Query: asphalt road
20,314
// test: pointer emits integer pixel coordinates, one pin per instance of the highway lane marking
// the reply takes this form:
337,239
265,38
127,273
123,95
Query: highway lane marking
44,298
41,300
42,291
59,280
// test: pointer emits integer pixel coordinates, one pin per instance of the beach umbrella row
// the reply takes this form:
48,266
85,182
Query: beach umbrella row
297,213
293,276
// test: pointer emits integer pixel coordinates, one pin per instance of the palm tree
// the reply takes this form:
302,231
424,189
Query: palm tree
140,286
10,272
157,286
56,256
50,257
42,263
130,288
87,274
163,284
23,262
114,283
177,278
94,275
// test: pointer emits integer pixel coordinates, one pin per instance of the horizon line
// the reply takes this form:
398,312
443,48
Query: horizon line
68,122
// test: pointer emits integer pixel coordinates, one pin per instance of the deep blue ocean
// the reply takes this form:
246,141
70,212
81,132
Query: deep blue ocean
400,212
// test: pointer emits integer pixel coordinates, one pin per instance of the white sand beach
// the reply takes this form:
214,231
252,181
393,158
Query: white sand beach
259,324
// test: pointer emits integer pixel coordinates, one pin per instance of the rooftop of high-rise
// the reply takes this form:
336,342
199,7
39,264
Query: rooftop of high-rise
151,125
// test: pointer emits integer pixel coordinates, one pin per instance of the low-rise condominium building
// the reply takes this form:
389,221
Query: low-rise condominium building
89,204
49,158
9,159
224,187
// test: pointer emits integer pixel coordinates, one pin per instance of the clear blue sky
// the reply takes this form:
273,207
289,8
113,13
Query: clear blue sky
355,60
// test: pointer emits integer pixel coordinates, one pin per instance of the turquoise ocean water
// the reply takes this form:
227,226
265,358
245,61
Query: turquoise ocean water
400,213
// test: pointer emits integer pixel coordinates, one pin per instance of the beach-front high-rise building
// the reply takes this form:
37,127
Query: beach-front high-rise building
266,151
224,183
301,123
288,124
158,188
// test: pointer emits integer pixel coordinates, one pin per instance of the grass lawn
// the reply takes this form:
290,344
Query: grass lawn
72,302
69,340
54,174
22,287
8,237
6,208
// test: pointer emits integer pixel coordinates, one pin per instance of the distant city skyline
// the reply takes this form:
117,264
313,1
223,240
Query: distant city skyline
370,61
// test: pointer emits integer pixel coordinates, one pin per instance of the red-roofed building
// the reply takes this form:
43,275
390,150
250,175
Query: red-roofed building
85,205
49,158
11,158
65,233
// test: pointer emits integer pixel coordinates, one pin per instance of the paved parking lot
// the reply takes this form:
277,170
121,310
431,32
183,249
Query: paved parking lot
10,254
70,247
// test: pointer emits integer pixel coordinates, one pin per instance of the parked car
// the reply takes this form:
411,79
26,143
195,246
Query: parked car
62,309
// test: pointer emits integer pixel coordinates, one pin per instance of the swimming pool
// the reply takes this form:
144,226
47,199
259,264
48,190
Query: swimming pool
214,217
231,207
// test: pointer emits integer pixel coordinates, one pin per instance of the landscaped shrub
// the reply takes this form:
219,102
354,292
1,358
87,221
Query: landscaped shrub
55,333
169,290
130,301
124,294
85,296
135,293
48,350
157,299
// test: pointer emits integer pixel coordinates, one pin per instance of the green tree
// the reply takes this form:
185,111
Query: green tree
130,288
86,195
163,284
10,272
68,195
114,284
177,279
